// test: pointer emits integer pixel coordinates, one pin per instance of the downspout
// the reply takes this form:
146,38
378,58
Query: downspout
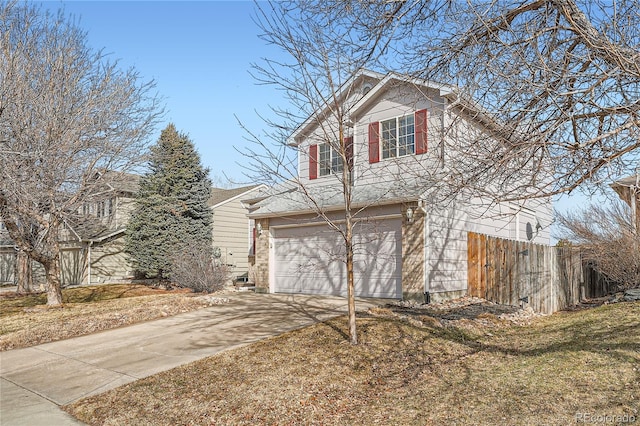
633,194
427,247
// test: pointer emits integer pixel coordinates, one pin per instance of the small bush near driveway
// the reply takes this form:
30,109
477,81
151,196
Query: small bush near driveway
198,270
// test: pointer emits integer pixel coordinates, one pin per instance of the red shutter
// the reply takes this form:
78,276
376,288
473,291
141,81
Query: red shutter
421,131
348,147
374,142
313,162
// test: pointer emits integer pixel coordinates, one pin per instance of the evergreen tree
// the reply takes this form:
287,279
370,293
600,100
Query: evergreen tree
171,209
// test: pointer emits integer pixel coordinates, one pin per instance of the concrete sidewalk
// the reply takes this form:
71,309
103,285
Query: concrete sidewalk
35,381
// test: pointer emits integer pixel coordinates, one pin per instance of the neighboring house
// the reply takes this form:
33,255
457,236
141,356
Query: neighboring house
407,244
7,255
233,232
92,248
629,191
101,231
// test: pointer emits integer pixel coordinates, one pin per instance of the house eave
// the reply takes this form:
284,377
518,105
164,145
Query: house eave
443,90
334,208
104,237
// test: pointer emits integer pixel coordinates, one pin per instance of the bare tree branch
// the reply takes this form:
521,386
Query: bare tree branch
68,115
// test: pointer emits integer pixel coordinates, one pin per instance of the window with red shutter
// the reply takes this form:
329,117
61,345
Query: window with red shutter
313,162
374,142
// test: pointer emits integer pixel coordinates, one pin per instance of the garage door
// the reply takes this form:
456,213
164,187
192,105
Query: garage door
311,260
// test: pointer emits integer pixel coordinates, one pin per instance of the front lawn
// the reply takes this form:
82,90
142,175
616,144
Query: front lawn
27,321
409,369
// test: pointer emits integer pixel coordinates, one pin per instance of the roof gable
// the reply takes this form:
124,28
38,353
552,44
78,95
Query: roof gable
394,78
347,88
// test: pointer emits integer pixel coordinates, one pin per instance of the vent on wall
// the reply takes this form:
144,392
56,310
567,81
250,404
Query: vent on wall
366,87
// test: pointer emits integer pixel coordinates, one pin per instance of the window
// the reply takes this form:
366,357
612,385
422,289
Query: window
88,209
325,160
105,208
398,137
329,160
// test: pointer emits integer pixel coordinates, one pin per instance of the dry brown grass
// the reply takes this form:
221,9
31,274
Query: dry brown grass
405,371
27,321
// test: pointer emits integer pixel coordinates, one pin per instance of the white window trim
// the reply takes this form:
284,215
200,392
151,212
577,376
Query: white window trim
333,155
397,137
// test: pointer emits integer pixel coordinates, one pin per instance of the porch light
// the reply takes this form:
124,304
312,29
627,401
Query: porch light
259,228
410,215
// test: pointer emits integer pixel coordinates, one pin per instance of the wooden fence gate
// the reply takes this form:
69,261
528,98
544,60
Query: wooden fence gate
548,278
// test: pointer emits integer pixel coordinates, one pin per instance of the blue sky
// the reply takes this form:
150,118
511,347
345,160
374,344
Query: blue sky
200,54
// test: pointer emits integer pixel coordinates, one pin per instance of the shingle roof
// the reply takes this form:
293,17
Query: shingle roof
628,181
292,200
122,182
624,187
219,195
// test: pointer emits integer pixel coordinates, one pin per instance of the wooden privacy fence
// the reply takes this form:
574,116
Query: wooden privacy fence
548,278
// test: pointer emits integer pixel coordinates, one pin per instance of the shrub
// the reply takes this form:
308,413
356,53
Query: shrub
608,239
195,268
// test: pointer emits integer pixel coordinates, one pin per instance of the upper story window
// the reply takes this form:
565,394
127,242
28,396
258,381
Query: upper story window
329,160
325,160
103,208
398,136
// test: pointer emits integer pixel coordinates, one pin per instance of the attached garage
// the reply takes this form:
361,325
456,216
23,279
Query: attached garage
311,259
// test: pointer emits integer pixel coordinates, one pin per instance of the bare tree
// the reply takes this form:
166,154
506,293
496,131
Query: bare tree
609,238
66,114
561,78
324,50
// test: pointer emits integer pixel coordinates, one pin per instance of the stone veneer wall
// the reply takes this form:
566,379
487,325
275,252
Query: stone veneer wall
261,266
413,252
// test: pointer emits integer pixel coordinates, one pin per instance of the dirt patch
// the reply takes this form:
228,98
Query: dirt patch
467,312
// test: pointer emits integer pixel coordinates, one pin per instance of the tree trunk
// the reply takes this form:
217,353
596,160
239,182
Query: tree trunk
351,301
24,273
54,292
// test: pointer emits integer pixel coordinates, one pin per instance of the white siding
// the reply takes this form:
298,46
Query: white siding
448,228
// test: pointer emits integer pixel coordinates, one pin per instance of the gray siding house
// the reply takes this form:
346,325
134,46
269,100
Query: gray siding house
407,243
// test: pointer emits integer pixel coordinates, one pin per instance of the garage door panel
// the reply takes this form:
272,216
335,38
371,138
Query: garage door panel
311,260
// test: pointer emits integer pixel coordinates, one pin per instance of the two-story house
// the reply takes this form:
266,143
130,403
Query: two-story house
410,239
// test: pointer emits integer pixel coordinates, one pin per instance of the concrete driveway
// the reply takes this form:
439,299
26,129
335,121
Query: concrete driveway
35,381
